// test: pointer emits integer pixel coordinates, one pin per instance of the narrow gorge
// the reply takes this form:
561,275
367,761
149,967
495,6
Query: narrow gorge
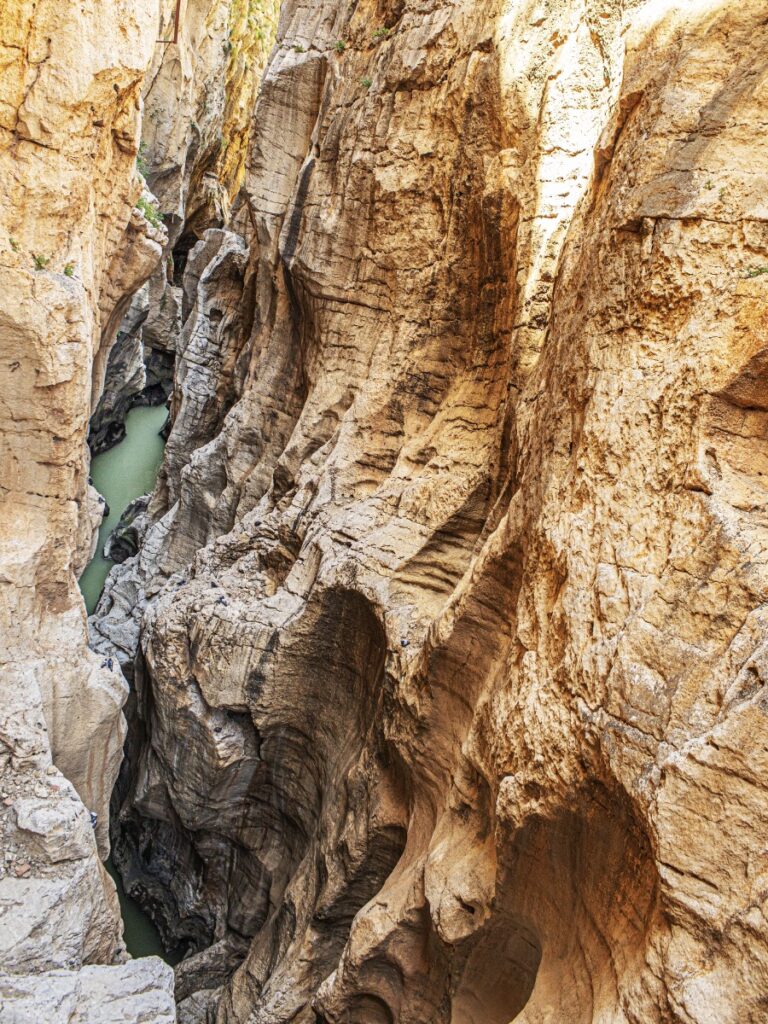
419,350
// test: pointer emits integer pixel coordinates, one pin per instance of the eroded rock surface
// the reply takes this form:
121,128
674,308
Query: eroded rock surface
449,688
140,991
125,378
447,628
198,105
73,250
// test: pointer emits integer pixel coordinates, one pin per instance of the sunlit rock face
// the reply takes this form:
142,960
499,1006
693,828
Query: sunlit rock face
451,707
72,251
138,991
198,103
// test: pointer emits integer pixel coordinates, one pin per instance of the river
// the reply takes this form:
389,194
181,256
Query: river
122,474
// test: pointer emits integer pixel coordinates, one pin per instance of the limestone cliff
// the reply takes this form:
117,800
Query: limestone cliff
447,631
78,238
449,686
73,248
197,118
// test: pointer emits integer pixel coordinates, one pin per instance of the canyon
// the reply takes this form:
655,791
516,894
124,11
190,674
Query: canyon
429,682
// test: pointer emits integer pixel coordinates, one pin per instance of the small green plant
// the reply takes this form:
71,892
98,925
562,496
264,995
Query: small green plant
298,48
141,160
366,83
150,212
69,269
340,46
722,195
708,184
14,244
380,33
756,271
41,262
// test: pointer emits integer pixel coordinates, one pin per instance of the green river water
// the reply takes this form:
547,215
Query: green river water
123,473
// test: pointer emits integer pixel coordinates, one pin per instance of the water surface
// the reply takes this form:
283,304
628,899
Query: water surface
141,936
123,473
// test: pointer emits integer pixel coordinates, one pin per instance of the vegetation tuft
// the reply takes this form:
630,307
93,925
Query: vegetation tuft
150,212
141,160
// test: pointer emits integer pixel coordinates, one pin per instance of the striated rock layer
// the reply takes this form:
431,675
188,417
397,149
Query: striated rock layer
449,689
72,250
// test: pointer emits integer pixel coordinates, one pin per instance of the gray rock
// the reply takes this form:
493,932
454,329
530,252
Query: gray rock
200,1008
137,992
123,541
55,829
125,378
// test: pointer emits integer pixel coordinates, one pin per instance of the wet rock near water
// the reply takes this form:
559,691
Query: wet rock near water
123,541
137,372
125,378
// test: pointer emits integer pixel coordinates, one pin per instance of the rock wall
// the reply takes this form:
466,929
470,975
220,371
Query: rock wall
198,105
72,250
125,378
198,101
447,629
140,991
78,240
449,688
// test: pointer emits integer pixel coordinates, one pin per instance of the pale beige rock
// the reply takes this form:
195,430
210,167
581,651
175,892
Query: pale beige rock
72,251
57,908
74,248
140,991
68,135
198,102
56,830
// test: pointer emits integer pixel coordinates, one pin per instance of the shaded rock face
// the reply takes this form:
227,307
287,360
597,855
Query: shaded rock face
141,363
449,610
125,379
